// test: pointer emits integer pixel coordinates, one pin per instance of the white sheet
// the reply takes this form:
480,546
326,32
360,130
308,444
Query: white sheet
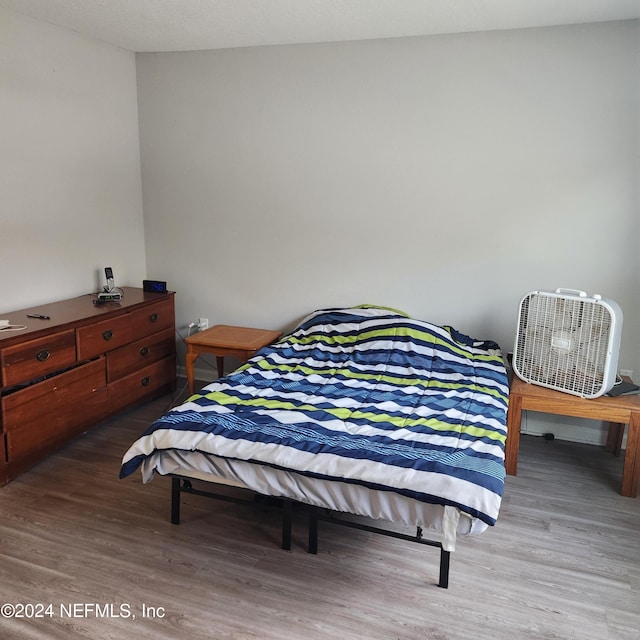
338,496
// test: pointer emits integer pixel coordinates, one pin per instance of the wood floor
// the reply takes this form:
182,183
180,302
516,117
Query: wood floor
562,562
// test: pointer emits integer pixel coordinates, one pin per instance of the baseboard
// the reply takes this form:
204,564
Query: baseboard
203,375
567,428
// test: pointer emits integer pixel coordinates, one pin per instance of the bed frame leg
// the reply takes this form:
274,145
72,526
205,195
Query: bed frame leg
175,500
313,530
287,510
445,557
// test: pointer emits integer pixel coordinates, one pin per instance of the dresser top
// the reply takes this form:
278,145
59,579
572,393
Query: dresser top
74,311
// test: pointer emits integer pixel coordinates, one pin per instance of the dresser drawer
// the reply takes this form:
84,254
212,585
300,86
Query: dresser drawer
156,377
51,434
57,398
51,411
103,336
139,354
35,358
154,318
110,334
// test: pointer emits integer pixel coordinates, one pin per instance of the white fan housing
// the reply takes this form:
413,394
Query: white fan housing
568,341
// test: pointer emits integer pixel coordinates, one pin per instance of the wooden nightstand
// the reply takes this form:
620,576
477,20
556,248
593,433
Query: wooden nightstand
225,340
618,411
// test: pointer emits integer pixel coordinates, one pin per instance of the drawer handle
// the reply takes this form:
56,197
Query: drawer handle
107,335
144,352
153,317
43,355
146,381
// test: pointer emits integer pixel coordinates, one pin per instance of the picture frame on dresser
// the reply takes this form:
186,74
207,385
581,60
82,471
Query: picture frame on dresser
77,363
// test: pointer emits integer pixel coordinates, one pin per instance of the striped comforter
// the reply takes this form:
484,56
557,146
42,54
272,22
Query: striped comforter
363,395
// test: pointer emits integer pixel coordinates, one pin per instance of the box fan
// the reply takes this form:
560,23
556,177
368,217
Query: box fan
568,341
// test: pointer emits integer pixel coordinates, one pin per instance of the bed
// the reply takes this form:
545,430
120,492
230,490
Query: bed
363,411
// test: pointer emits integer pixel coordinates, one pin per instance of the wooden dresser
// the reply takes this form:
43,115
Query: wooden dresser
62,375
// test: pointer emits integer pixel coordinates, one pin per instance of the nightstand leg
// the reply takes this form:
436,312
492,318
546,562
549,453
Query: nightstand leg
514,417
614,438
631,469
188,366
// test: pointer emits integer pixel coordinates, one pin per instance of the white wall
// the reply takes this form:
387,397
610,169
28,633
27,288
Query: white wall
70,190
446,176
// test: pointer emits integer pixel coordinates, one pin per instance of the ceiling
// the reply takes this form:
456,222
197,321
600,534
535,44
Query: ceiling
184,25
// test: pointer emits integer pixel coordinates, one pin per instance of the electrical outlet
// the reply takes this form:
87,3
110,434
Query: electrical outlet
626,373
203,323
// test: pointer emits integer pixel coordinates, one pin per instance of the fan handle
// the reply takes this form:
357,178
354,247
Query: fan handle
582,294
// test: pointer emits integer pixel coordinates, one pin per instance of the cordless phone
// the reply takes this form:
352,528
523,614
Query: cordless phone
110,293
108,272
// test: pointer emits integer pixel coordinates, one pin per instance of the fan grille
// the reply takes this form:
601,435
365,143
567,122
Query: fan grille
563,343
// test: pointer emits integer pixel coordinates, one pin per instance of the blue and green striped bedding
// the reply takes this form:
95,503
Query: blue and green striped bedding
363,395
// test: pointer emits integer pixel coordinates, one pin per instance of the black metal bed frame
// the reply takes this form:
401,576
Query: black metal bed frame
181,484
316,514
